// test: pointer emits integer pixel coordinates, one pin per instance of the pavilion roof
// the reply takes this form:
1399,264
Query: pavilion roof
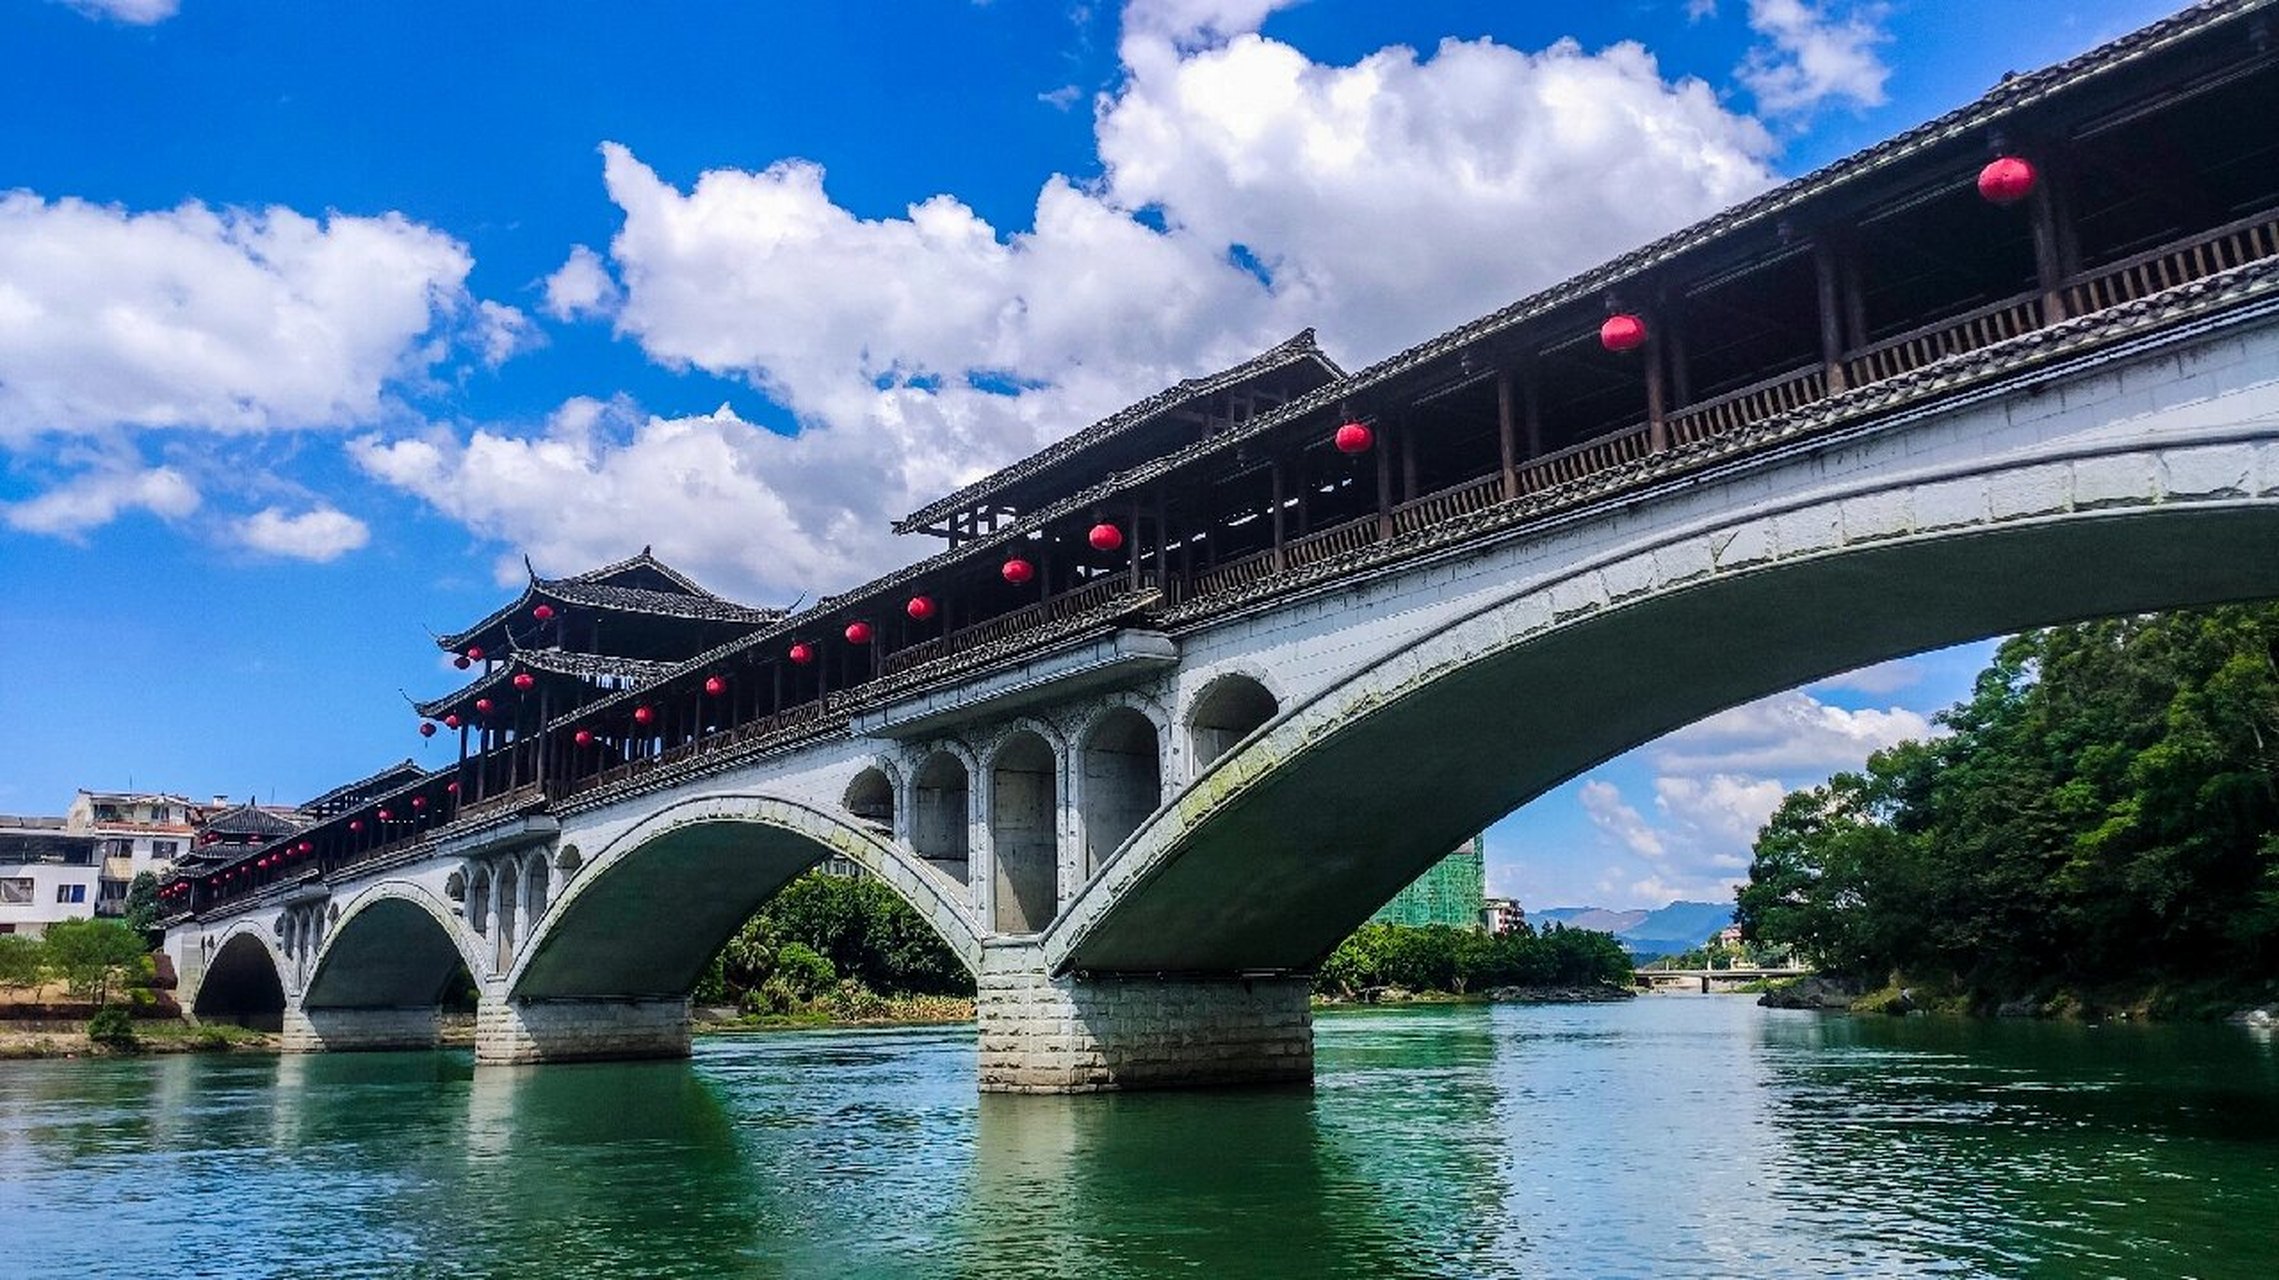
639,584
1299,350
546,664
247,820
348,795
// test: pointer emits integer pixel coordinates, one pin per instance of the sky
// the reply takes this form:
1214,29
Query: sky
316,320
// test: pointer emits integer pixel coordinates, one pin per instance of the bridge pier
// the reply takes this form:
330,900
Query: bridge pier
350,1030
509,1032
1095,1033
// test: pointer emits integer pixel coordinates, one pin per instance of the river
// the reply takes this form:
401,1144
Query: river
1670,1136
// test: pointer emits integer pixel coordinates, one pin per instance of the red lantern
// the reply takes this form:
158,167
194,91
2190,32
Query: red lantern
643,715
475,651
2007,179
1105,537
386,816
544,613
451,721
451,788
525,681
858,633
714,686
462,662
802,653
1623,332
1018,571
1354,437
482,706
583,737
920,608
419,802
307,847
356,824
426,728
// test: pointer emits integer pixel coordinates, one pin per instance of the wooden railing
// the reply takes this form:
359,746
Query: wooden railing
1752,404
1232,574
1323,544
2233,245
1463,500
529,793
1059,608
1984,327
1579,460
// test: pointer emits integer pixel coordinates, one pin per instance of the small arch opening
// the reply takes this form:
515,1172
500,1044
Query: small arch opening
538,887
1023,806
510,884
479,902
939,829
1123,782
242,986
871,797
1230,710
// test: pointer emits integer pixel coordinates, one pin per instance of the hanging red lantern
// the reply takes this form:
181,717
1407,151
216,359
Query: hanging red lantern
802,653
525,681
858,632
462,662
356,824
920,608
475,651
482,706
451,721
544,613
2007,179
1354,437
1105,537
419,802
583,737
643,715
451,788
427,728
714,686
1622,332
307,847
1018,571
386,816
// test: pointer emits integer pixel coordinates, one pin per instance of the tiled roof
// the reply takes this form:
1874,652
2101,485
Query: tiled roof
594,589
1300,349
351,793
590,667
247,820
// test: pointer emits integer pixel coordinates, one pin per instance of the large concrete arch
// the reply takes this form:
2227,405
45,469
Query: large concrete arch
1278,850
395,946
245,981
648,910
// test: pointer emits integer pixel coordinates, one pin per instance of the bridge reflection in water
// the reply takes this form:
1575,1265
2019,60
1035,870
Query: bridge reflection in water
1191,693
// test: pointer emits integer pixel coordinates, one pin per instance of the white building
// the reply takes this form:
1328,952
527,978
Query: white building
135,832
47,874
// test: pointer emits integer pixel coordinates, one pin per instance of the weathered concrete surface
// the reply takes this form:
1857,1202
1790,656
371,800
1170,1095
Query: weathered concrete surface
349,1030
1074,1034
525,1031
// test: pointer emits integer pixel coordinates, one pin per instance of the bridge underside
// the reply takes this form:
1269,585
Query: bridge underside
1292,861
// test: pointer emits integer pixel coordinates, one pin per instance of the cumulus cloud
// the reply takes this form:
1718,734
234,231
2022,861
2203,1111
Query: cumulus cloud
100,495
502,332
581,286
141,13
1789,734
1719,814
226,320
1603,803
1811,56
1197,22
320,534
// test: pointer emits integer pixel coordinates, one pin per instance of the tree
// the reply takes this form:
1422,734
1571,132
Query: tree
23,961
142,907
94,955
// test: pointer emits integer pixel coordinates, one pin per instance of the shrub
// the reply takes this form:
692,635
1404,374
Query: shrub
112,1028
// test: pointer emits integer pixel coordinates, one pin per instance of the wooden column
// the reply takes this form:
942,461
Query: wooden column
1408,461
1531,408
1828,281
1274,472
1134,542
1657,424
2049,246
1507,434
1384,490
1162,538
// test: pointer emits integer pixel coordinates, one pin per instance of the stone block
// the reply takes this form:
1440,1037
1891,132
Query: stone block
2216,471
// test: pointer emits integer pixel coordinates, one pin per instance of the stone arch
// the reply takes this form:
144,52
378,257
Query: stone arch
941,811
870,796
656,903
537,888
1024,831
244,982
1284,845
395,946
1224,712
1119,779
477,906
507,882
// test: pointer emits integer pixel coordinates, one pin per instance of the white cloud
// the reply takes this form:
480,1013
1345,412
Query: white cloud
502,332
1721,813
1789,735
1614,816
101,494
1876,681
1811,56
581,286
1197,22
222,319
141,13
320,534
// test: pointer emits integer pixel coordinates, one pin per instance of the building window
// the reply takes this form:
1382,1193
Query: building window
16,891
164,848
71,893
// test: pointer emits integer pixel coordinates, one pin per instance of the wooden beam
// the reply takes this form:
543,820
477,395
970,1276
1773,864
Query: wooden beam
1507,434
1657,425
1828,283
1274,469
2049,247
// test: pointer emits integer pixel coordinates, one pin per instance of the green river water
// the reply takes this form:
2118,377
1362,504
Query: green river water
1670,1136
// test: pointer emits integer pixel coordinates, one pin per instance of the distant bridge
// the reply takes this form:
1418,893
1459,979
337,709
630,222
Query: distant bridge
1194,692
1710,979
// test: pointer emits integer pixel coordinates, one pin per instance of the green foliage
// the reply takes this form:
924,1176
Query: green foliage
2102,812
113,1028
823,933
23,961
1443,958
142,908
93,956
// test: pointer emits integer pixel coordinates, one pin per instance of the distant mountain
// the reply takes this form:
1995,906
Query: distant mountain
1647,935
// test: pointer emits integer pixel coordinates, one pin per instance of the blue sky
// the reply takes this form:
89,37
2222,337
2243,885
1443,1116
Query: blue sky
315,319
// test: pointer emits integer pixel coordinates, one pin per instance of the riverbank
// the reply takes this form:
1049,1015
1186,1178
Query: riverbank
30,1040
872,1011
2246,1003
1578,993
